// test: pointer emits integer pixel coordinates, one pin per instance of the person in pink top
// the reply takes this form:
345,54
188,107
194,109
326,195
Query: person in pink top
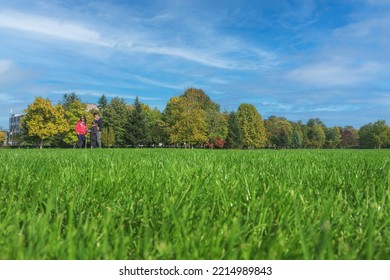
81,130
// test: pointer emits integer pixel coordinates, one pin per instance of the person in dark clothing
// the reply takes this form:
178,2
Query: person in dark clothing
93,135
99,124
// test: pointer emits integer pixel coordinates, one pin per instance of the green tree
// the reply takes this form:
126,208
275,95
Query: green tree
155,125
316,136
374,135
251,127
234,137
102,104
332,137
311,122
300,137
216,122
297,139
316,133
137,131
108,136
279,131
68,99
305,135
217,126
43,120
116,116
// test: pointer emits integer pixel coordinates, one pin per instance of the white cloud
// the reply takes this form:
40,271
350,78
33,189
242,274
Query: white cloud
5,66
97,94
335,73
11,74
75,32
220,52
6,98
378,2
354,54
334,108
373,31
50,27
155,82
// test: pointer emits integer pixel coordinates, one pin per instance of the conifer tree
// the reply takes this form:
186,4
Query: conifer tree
234,138
136,128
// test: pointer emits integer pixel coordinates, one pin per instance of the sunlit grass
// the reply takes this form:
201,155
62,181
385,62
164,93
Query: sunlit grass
194,204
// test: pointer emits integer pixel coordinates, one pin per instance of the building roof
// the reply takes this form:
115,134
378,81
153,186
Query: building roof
91,106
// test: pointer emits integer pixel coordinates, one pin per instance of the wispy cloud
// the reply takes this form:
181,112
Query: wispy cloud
155,82
219,56
335,73
11,74
97,94
6,98
298,15
378,2
5,67
51,27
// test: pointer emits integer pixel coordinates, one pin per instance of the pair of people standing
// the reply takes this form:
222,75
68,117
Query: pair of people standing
81,129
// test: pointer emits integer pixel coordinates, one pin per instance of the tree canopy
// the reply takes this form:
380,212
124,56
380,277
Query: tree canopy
43,120
251,126
190,119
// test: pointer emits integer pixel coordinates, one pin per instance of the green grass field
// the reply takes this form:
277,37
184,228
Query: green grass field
194,204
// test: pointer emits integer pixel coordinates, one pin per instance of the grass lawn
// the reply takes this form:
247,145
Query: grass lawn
194,204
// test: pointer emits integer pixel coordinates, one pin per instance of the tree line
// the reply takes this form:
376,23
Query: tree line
191,119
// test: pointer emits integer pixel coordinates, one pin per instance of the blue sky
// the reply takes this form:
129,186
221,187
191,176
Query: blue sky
299,59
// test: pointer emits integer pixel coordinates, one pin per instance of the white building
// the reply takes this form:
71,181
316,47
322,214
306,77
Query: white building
91,106
14,128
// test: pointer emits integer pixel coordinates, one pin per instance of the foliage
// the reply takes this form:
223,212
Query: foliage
102,104
234,137
137,132
3,137
68,99
185,121
251,127
194,109
349,137
316,133
43,120
332,137
374,135
279,131
217,126
216,122
219,143
193,118
116,117
155,125
189,128
73,113
296,140
108,136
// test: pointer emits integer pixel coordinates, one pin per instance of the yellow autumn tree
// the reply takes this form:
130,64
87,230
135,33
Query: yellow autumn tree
42,120
3,136
73,112
251,126
186,123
